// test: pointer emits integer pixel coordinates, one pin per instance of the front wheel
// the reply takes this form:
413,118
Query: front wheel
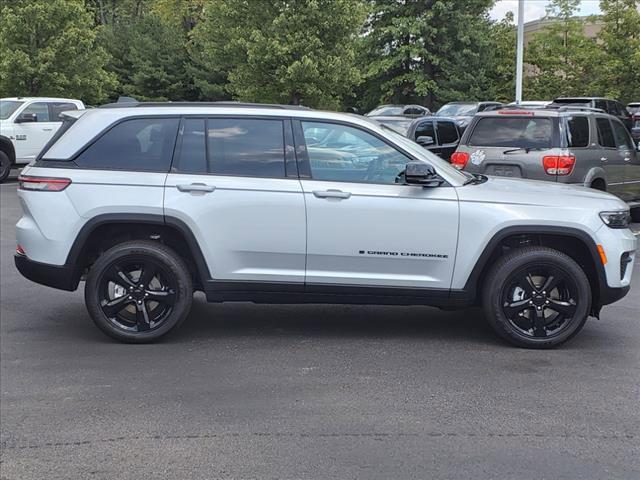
138,291
536,297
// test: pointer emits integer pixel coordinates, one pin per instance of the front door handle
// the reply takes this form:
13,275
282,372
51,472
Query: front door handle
331,194
196,187
603,159
627,159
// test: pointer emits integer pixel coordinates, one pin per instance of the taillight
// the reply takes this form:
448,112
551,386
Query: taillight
558,164
43,184
459,160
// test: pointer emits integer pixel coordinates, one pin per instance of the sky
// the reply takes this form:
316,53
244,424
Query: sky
535,9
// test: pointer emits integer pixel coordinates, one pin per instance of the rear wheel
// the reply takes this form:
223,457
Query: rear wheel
536,297
5,166
138,291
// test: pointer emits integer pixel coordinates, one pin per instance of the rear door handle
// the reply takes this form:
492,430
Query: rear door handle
603,159
47,129
331,194
627,159
195,187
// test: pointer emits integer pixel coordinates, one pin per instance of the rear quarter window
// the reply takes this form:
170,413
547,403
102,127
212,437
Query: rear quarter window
503,131
144,144
578,131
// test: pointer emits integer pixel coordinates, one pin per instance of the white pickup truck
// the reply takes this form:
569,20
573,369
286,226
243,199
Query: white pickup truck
26,125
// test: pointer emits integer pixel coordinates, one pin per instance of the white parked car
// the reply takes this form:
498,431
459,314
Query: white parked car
275,204
26,125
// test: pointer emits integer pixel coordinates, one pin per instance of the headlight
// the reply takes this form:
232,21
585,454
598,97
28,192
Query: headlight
619,219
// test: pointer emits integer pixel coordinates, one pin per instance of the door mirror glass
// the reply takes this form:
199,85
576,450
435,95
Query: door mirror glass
423,174
27,118
425,140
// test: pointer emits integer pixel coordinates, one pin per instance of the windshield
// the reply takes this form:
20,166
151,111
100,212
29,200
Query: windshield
400,125
521,132
419,152
457,109
7,107
386,110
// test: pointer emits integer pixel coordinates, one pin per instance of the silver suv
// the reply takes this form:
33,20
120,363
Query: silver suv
151,202
579,147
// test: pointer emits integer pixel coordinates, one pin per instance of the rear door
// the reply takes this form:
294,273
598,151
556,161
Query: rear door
234,184
611,160
32,136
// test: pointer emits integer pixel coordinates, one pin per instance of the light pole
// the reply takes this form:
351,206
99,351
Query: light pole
519,51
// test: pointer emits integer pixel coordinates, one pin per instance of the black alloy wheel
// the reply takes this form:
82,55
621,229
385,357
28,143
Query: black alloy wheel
536,297
138,291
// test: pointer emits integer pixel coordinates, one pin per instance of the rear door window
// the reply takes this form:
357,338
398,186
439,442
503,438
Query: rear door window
56,108
447,132
246,147
522,132
144,144
578,131
605,133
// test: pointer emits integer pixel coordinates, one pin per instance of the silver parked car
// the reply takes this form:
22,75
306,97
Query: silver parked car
577,146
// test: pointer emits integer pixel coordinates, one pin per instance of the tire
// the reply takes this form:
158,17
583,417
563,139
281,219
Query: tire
123,307
5,166
524,288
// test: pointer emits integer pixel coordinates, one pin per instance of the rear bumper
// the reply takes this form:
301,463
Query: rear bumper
63,277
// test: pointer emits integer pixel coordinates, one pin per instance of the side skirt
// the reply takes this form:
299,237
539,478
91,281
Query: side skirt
284,293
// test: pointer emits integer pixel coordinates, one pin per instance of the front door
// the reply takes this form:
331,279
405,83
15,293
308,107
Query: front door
229,185
364,227
32,136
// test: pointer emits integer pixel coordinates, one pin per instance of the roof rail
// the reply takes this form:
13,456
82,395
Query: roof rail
564,108
132,103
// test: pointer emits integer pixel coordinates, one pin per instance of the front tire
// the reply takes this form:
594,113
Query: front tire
138,291
5,166
536,297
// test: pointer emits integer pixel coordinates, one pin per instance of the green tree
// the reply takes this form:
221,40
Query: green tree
300,52
619,72
425,51
561,59
149,56
500,59
49,48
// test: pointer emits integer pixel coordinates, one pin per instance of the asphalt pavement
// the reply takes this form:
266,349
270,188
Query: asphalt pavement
246,391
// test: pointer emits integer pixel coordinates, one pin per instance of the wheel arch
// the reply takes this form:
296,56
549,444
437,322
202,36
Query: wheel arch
104,231
574,242
6,145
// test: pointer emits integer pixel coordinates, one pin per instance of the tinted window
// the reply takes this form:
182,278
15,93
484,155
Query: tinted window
623,140
600,104
41,110
58,107
346,154
522,132
605,134
425,129
141,144
192,156
247,147
447,133
578,132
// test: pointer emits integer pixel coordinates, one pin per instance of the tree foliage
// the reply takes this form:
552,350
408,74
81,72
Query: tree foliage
278,51
50,48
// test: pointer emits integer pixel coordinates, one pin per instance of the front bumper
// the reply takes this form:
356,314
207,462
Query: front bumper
63,277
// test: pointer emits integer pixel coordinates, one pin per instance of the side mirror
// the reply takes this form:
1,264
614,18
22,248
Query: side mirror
423,174
26,118
425,141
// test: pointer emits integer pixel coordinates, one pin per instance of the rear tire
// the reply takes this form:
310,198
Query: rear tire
536,297
5,166
138,291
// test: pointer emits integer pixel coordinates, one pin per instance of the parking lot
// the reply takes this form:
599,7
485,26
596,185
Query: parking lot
247,391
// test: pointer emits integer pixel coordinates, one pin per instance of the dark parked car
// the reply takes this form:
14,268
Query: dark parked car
439,135
398,122
612,107
399,111
463,112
